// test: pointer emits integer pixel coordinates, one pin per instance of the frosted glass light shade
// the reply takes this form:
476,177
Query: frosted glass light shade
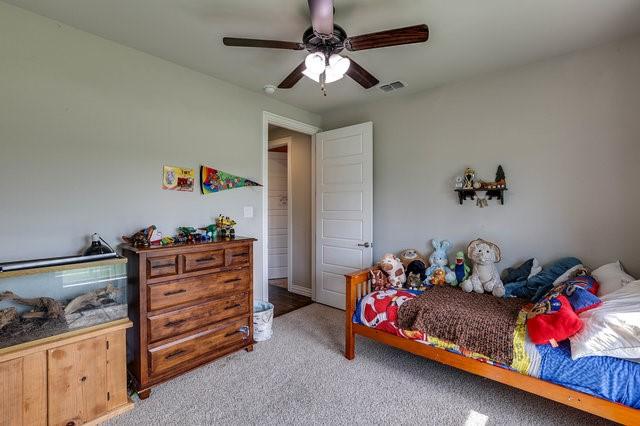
312,75
331,75
315,62
338,64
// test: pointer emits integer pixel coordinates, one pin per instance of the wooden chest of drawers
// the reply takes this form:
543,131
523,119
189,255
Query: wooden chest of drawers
190,304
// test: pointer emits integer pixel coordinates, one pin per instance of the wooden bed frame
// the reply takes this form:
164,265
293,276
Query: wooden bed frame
359,285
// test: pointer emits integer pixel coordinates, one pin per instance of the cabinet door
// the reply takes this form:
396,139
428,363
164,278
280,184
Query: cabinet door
77,382
116,370
23,386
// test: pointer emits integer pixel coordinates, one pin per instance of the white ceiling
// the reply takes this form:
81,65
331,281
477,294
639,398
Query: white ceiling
468,37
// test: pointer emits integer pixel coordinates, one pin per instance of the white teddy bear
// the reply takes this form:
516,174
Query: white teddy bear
484,277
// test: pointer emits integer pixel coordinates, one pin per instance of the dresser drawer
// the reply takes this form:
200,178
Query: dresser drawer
162,266
187,290
237,256
186,319
203,260
223,337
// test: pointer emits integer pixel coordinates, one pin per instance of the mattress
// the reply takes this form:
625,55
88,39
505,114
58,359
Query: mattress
610,378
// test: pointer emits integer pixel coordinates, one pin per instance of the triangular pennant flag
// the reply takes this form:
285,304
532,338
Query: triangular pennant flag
214,180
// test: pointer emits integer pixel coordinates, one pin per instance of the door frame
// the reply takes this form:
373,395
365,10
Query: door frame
307,129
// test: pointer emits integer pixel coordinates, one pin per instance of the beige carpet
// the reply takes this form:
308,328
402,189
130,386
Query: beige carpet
301,377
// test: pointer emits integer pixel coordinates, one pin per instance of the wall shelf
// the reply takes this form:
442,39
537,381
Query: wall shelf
498,193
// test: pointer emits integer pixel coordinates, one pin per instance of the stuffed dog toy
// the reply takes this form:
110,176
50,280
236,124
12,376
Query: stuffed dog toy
484,277
409,255
392,266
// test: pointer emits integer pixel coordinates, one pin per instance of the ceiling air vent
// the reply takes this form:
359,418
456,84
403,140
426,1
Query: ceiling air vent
396,85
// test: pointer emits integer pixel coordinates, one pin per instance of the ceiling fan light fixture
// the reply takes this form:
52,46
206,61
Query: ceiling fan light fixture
313,76
332,75
315,63
339,64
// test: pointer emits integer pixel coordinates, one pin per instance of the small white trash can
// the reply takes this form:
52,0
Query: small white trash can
262,321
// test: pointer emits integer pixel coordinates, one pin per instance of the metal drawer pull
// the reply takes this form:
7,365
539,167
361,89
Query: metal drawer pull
239,254
232,280
205,259
175,323
165,265
171,293
175,354
244,330
237,305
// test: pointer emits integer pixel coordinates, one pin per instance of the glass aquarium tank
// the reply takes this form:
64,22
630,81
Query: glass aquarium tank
51,297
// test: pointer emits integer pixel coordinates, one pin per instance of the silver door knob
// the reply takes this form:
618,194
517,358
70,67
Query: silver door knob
366,245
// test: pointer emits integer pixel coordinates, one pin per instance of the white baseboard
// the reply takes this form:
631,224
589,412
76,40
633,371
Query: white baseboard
302,291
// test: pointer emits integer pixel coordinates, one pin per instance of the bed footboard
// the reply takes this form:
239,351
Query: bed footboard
358,286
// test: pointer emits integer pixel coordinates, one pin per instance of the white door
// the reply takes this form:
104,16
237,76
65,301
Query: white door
278,215
344,208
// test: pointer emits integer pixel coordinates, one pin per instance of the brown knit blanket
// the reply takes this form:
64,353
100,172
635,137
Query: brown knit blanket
480,323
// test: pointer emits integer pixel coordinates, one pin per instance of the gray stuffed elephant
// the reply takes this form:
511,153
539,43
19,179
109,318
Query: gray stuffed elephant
485,277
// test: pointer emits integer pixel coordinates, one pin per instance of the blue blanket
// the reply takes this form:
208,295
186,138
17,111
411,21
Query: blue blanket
614,379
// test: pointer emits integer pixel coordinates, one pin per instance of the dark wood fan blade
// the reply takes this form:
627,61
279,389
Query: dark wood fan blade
270,44
361,76
293,78
408,35
322,16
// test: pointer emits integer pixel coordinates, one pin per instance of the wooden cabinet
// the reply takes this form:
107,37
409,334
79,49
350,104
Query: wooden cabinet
67,380
23,390
190,305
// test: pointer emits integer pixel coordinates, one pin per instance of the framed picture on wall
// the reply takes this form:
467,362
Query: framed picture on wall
177,178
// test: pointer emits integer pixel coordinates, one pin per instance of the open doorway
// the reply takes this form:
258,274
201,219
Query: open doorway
289,210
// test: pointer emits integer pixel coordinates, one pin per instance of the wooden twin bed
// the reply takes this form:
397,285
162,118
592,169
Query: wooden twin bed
359,285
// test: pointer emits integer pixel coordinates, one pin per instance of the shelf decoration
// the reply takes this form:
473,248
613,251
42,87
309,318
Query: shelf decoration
473,189
214,180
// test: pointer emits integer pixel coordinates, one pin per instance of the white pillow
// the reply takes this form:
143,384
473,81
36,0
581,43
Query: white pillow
611,277
613,328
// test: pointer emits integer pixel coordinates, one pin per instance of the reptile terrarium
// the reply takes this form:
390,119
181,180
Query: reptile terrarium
59,296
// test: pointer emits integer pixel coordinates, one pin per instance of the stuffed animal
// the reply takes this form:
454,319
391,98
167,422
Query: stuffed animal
439,261
409,255
418,267
460,268
392,266
413,281
484,256
379,280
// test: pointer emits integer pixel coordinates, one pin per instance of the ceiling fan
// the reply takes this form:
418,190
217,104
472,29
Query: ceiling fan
324,40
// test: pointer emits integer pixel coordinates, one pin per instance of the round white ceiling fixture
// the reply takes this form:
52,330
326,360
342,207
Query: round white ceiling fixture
269,89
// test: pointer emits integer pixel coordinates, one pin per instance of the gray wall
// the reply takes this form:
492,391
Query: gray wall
567,132
300,152
86,126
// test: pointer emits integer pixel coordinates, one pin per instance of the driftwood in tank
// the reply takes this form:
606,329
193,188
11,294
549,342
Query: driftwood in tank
43,307
7,316
93,299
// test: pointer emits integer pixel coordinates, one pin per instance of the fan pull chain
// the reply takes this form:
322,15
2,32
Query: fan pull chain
323,78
